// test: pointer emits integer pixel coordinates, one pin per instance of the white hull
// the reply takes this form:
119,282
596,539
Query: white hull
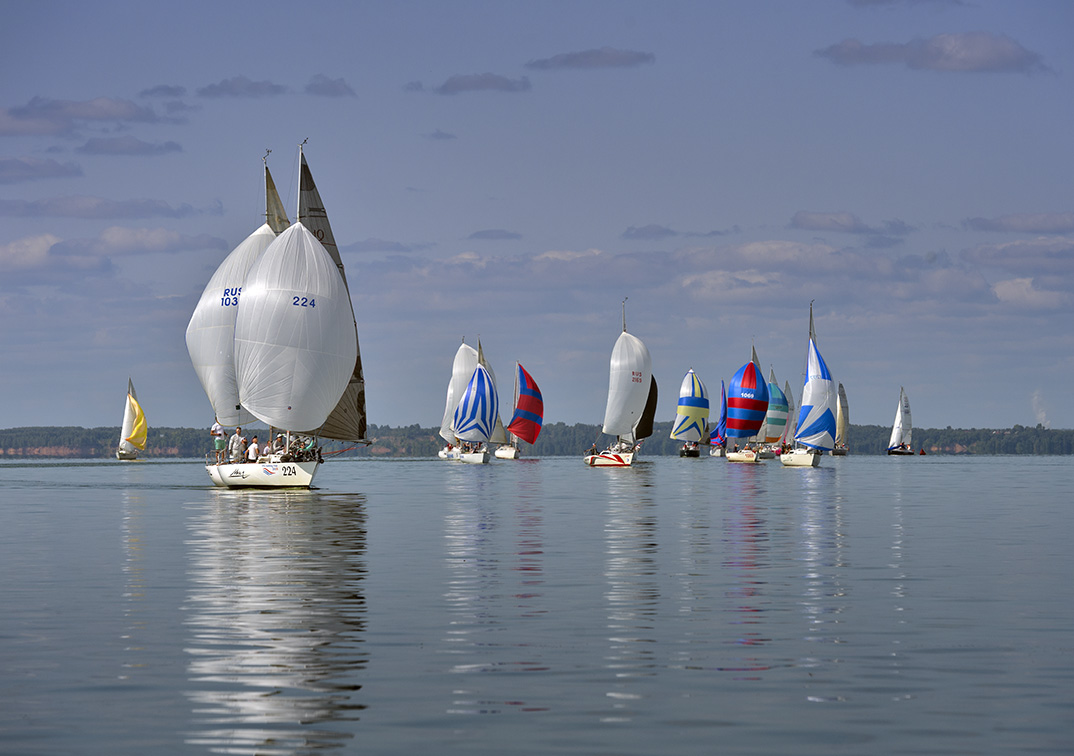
475,457
446,453
747,456
716,451
800,458
766,454
263,474
610,459
507,452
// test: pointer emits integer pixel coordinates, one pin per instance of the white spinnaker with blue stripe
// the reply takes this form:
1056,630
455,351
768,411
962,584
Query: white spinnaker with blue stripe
816,418
479,408
692,413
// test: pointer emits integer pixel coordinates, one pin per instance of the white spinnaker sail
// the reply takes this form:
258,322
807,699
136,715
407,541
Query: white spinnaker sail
210,335
462,369
902,430
295,345
629,380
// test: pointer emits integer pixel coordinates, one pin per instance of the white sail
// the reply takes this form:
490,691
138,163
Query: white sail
792,415
462,369
902,430
295,345
210,334
842,418
628,385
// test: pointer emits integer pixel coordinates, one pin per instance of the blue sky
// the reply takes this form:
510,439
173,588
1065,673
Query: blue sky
512,171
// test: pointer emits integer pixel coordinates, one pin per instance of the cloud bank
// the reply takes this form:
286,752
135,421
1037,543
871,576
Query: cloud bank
968,52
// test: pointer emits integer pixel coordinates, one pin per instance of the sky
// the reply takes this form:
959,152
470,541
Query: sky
513,171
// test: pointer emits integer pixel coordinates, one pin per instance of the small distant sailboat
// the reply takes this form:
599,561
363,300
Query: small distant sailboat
133,433
631,404
747,405
691,415
902,430
528,416
718,436
816,417
842,421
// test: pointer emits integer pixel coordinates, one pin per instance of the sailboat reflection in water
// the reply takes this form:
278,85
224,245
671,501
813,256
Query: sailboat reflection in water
276,616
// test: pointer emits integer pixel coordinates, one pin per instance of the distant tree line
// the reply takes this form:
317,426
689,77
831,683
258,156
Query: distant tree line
556,439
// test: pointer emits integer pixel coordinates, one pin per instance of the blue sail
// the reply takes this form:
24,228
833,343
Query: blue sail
816,418
692,414
475,417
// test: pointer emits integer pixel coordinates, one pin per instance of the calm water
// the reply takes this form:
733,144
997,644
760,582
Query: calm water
871,606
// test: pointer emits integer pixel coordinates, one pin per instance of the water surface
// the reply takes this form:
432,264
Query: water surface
872,605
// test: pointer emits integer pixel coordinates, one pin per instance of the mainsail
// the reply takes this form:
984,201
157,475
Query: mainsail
902,430
347,421
842,418
692,412
816,417
210,335
718,437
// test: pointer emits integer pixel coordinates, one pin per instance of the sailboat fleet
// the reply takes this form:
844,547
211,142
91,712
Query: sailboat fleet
274,339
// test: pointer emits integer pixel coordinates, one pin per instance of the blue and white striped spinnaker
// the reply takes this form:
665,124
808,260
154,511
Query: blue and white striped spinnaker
816,417
692,414
477,412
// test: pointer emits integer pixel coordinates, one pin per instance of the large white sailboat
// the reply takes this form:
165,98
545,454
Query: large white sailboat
294,344
815,433
132,434
476,416
902,429
631,404
462,369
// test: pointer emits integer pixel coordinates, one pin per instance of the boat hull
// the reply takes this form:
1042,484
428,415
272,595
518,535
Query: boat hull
610,459
901,452
800,458
839,451
746,456
263,475
452,453
125,456
716,451
507,452
695,452
475,457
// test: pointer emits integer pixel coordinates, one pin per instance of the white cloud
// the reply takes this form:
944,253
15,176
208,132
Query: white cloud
1021,292
967,52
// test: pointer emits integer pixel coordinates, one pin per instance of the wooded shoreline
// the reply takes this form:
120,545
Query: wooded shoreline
556,440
